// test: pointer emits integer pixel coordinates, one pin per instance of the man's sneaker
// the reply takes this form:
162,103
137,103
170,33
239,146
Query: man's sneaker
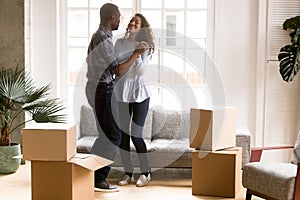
126,180
104,186
143,180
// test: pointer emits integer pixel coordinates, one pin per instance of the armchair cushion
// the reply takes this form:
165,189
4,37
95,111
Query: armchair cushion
276,180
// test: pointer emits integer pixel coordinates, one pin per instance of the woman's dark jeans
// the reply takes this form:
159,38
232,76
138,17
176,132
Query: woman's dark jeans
132,120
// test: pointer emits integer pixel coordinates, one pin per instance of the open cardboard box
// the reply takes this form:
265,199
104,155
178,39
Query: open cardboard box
66,180
49,141
212,128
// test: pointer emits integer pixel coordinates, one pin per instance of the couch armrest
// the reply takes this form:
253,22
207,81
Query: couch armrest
257,151
243,139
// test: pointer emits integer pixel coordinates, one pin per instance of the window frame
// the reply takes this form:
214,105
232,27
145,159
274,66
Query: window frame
64,85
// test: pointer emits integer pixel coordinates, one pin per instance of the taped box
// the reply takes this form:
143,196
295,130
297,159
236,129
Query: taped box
213,128
49,142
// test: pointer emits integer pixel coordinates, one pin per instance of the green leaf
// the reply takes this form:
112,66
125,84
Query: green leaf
289,54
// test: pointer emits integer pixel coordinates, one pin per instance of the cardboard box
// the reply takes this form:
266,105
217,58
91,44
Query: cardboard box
49,142
213,128
217,173
71,180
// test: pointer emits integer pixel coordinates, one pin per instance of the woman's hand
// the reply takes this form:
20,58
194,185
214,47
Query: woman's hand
141,47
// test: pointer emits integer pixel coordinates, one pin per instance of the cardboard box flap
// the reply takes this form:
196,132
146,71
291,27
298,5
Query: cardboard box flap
89,161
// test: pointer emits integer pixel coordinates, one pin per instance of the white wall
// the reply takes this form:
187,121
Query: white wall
44,43
235,55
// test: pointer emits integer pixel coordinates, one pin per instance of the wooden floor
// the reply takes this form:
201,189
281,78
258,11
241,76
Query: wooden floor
164,185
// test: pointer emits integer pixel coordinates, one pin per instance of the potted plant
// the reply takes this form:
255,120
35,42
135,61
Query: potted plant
289,54
18,95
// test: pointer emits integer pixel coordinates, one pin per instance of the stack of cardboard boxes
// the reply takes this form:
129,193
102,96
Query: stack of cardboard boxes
216,162
57,172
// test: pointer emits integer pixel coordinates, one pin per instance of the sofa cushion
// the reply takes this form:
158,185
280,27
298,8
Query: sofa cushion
170,145
170,124
87,124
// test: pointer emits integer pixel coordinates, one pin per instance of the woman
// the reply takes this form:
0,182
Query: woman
133,95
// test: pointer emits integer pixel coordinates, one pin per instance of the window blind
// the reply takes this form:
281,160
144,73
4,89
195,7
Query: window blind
282,99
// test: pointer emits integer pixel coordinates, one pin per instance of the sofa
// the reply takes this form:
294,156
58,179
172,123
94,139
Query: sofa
166,134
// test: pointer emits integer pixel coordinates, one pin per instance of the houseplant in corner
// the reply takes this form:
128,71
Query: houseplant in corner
18,95
289,55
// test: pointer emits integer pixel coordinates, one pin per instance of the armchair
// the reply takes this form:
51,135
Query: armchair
273,180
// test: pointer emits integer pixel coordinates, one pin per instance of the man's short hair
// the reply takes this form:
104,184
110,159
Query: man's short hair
107,11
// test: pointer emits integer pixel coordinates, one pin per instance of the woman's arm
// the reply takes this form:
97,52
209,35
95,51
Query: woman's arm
124,67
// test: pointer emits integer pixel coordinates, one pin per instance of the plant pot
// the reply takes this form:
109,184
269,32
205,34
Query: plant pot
9,164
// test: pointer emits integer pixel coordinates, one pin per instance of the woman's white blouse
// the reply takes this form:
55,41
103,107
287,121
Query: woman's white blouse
131,86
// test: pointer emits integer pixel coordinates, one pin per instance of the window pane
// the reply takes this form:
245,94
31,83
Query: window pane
76,77
77,3
197,58
78,42
123,3
175,20
152,72
151,3
78,24
202,96
173,43
173,60
154,18
171,77
171,98
98,3
197,4
94,21
171,25
196,43
174,4
193,75
155,97
76,58
198,31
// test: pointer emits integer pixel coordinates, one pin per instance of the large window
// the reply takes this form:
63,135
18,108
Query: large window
181,30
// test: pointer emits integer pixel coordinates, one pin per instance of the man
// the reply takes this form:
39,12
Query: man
102,69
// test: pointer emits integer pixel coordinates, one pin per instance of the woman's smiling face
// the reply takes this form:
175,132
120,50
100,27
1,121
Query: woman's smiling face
134,25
